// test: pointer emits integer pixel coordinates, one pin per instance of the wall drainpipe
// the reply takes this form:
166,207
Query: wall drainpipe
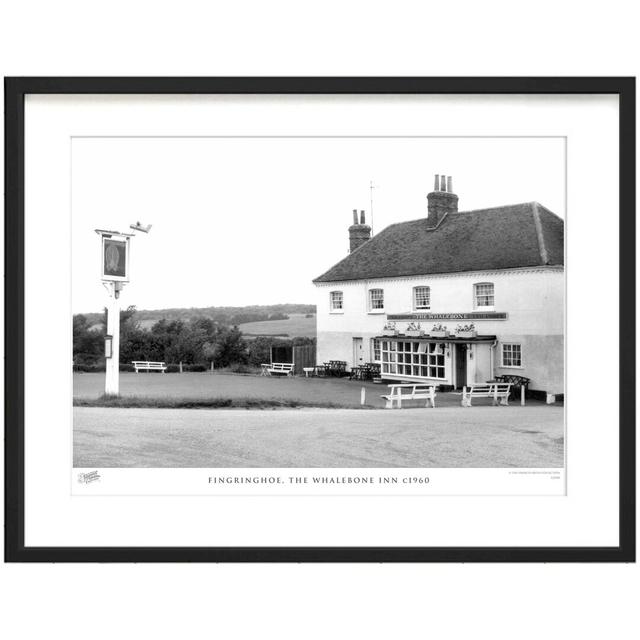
492,358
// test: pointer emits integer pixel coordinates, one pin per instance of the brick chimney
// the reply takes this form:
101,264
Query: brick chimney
359,232
441,201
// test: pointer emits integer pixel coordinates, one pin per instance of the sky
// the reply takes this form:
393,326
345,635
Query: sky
250,221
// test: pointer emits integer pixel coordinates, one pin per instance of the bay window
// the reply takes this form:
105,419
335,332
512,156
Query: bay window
416,359
375,349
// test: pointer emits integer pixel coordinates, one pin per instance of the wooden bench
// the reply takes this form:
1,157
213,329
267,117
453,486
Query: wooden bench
497,391
281,367
410,391
144,365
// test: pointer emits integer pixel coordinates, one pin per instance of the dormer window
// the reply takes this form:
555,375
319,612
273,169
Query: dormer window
376,300
483,297
335,301
422,298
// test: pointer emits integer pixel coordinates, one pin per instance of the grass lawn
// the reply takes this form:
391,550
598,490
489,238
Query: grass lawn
217,389
229,390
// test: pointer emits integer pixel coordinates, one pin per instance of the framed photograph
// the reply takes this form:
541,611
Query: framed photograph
367,319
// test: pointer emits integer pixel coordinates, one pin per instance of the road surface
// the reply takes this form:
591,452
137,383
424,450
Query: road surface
514,436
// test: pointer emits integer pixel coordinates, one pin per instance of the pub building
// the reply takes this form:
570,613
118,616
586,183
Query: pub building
454,298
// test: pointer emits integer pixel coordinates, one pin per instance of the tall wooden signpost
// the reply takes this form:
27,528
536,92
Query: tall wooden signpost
114,271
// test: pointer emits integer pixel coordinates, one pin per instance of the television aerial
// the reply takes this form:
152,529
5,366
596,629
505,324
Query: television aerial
138,226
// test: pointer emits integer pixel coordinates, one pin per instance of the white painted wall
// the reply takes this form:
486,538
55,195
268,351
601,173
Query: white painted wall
532,298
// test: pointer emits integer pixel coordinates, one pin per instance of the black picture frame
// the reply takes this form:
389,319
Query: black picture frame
15,91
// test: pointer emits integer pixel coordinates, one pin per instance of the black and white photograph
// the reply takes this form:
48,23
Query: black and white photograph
320,320
366,319
318,302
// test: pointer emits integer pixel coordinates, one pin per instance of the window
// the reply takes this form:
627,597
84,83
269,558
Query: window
375,349
336,300
416,359
422,297
483,295
376,299
511,354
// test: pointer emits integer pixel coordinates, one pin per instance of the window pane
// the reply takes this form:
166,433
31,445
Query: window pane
422,297
512,355
376,299
376,350
484,295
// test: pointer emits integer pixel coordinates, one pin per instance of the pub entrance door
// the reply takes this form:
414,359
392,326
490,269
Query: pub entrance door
358,353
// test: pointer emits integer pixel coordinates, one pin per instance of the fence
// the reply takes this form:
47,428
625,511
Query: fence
301,356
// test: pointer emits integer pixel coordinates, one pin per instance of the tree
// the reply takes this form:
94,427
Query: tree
211,351
88,343
193,341
232,347
259,350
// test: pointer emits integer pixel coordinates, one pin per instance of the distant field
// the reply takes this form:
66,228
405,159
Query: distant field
296,326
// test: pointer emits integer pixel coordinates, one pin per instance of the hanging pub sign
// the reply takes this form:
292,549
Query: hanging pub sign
114,257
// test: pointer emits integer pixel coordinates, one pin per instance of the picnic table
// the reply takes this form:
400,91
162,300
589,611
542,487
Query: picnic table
335,368
357,373
366,371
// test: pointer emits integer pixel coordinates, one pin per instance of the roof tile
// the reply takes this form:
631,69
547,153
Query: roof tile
484,239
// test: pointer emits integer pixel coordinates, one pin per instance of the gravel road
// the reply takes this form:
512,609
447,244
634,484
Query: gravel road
514,436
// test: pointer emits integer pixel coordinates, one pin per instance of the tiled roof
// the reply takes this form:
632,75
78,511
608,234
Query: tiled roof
519,235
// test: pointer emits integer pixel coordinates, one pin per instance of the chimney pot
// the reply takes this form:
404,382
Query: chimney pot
359,232
441,201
